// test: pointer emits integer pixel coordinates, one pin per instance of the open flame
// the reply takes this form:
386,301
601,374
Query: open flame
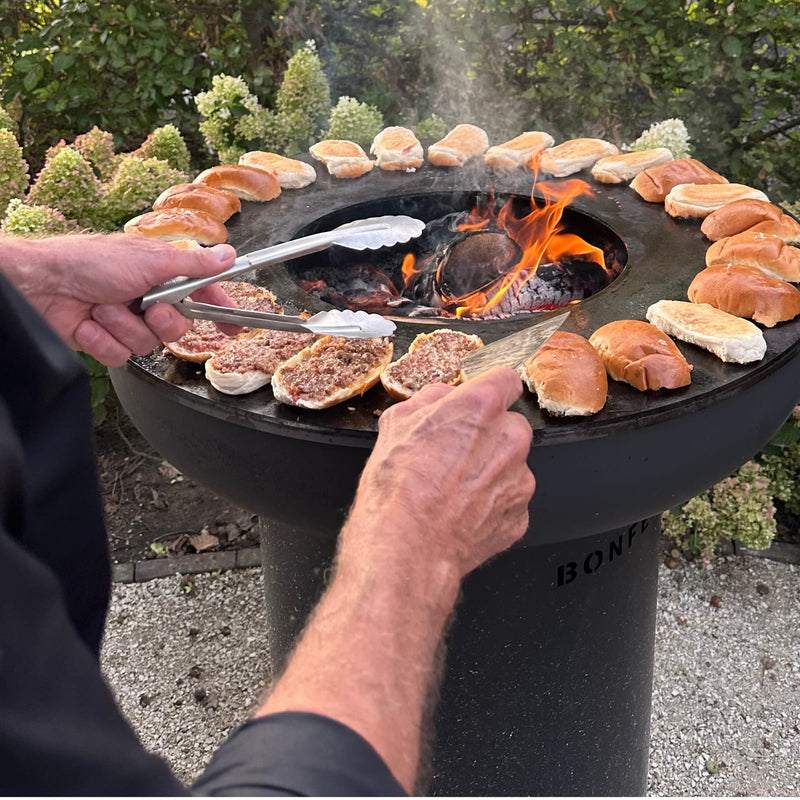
540,236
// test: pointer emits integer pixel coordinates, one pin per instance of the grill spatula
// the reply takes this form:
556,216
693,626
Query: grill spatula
366,234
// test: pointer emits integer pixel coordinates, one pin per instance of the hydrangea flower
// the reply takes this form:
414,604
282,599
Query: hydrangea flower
228,100
13,169
670,133
136,184
35,221
6,123
304,96
166,144
432,127
97,147
68,184
353,120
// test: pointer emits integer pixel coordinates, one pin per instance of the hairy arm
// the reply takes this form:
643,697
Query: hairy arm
446,487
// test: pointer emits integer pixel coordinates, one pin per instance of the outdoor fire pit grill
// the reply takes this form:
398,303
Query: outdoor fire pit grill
549,669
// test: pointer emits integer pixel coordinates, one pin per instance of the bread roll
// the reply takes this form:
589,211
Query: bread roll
698,200
178,223
746,292
247,183
519,151
640,354
185,244
459,146
574,155
654,184
567,375
752,248
397,149
624,166
431,358
343,159
748,214
730,338
330,371
290,172
247,363
219,203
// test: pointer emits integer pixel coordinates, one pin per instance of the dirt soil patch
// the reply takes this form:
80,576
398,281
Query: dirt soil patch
152,510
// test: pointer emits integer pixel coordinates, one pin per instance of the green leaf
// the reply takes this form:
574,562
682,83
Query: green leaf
31,80
732,46
130,12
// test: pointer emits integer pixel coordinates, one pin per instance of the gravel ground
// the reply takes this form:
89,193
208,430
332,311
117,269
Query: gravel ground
187,662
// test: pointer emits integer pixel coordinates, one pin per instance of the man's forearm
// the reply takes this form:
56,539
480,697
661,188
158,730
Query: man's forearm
367,657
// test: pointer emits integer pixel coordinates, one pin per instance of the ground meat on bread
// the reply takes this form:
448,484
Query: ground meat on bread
332,366
435,359
202,337
264,351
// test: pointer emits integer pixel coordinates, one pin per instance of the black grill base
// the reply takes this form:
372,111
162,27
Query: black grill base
549,665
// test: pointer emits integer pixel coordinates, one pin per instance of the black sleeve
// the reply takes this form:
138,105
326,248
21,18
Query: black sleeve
297,754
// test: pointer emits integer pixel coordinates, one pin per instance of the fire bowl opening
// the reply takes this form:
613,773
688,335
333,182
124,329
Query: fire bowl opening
480,256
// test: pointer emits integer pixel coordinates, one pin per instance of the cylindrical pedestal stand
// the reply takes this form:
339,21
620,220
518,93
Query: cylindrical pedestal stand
549,665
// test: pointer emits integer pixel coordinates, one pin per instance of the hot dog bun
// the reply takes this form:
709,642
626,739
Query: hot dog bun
574,155
625,166
748,214
640,354
698,200
654,184
746,292
290,172
343,159
567,376
519,151
459,146
178,223
397,148
755,249
247,183
218,203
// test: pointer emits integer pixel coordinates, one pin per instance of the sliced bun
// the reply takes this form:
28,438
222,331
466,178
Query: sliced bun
654,184
459,146
640,354
567,375
247,363
624,166
343,159
178,223
199,343
290,172
397,148
698,200
752,248
218,203
431,358
519,151
185,244
746,292
330,371
730,338
247,183
574,155
748,214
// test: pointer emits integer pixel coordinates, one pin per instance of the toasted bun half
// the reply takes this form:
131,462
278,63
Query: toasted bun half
397,149
431,358
624,166
730,338
178,223
640,354
574,155
698,200
567,375
247,183
750,215
654,184
247,363
330,371
519,151
199,343
459,146
185,244
343,159
290,172
746,292
755,249
218,203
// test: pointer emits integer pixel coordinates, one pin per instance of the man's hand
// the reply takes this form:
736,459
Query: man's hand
448,478
82,285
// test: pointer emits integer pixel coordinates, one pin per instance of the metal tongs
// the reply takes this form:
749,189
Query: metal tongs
365,234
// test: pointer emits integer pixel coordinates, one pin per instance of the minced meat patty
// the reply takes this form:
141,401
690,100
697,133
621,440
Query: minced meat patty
435,359
333,365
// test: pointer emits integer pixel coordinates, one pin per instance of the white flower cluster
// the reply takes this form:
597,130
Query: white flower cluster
226,93
34,221
353,120
670,133
13,169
